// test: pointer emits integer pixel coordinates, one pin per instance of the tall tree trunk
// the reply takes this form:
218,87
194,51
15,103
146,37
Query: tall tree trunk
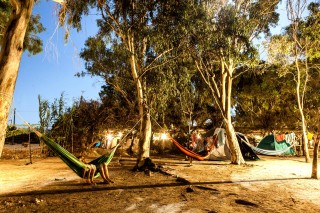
222,97
145,128
314,174
144,143
145,133
236,155
303,122
10,56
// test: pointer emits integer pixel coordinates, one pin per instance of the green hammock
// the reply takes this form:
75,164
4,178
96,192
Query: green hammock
72,161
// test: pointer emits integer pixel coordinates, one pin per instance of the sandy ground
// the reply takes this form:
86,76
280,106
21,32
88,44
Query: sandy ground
273,184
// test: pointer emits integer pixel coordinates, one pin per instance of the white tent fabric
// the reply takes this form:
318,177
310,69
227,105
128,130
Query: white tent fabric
222,151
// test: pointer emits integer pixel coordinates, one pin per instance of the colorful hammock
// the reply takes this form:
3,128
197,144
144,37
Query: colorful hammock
79,167
191,153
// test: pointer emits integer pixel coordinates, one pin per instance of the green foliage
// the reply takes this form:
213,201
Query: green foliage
280,51
87,120
152,25
57,108
44,114
296,52
20,135
13,132
265,101
5,10
310,31
228,31
32,42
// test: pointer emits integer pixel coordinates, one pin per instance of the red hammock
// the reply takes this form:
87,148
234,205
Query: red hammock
191,153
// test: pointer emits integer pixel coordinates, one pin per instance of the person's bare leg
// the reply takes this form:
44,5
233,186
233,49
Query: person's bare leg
92,172
105,173
102,173
86,173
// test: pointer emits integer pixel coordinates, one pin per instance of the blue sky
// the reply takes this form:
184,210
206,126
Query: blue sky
51,72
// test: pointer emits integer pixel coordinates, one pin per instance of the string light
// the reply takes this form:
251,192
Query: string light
198,136
109,137
120,134
164,136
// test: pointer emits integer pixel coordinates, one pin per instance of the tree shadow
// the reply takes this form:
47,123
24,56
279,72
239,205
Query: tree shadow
85,187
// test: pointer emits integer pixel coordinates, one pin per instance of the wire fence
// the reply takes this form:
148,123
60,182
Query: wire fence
21,151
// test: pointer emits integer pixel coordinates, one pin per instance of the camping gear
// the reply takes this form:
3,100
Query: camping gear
219,149
186,151
195,155
270,146
222,151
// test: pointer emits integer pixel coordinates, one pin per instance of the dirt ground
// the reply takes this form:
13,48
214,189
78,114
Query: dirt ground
272,184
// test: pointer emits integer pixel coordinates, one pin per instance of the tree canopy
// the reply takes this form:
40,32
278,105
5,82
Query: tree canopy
183,63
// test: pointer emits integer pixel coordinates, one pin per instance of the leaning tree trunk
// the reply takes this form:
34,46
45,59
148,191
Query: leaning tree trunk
236,155
10,56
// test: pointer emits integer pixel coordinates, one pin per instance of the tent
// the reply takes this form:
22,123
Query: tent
222,151
280,144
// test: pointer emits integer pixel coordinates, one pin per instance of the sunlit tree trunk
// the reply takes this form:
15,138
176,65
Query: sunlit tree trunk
10,56
294,13
314,174
144,144
300,100
221,90
236,155
145,128
304,134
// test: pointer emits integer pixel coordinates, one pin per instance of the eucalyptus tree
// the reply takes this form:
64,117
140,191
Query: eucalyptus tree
310,30
4,16
127,28
294,50
223,42
17,33
179,100
264,101
300,74
192,102
32,42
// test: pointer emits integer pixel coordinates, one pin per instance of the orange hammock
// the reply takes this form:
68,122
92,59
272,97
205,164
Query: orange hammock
191,153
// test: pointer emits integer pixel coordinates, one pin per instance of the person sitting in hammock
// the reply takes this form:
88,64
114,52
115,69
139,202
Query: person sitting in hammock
202,146
198,145
91,170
